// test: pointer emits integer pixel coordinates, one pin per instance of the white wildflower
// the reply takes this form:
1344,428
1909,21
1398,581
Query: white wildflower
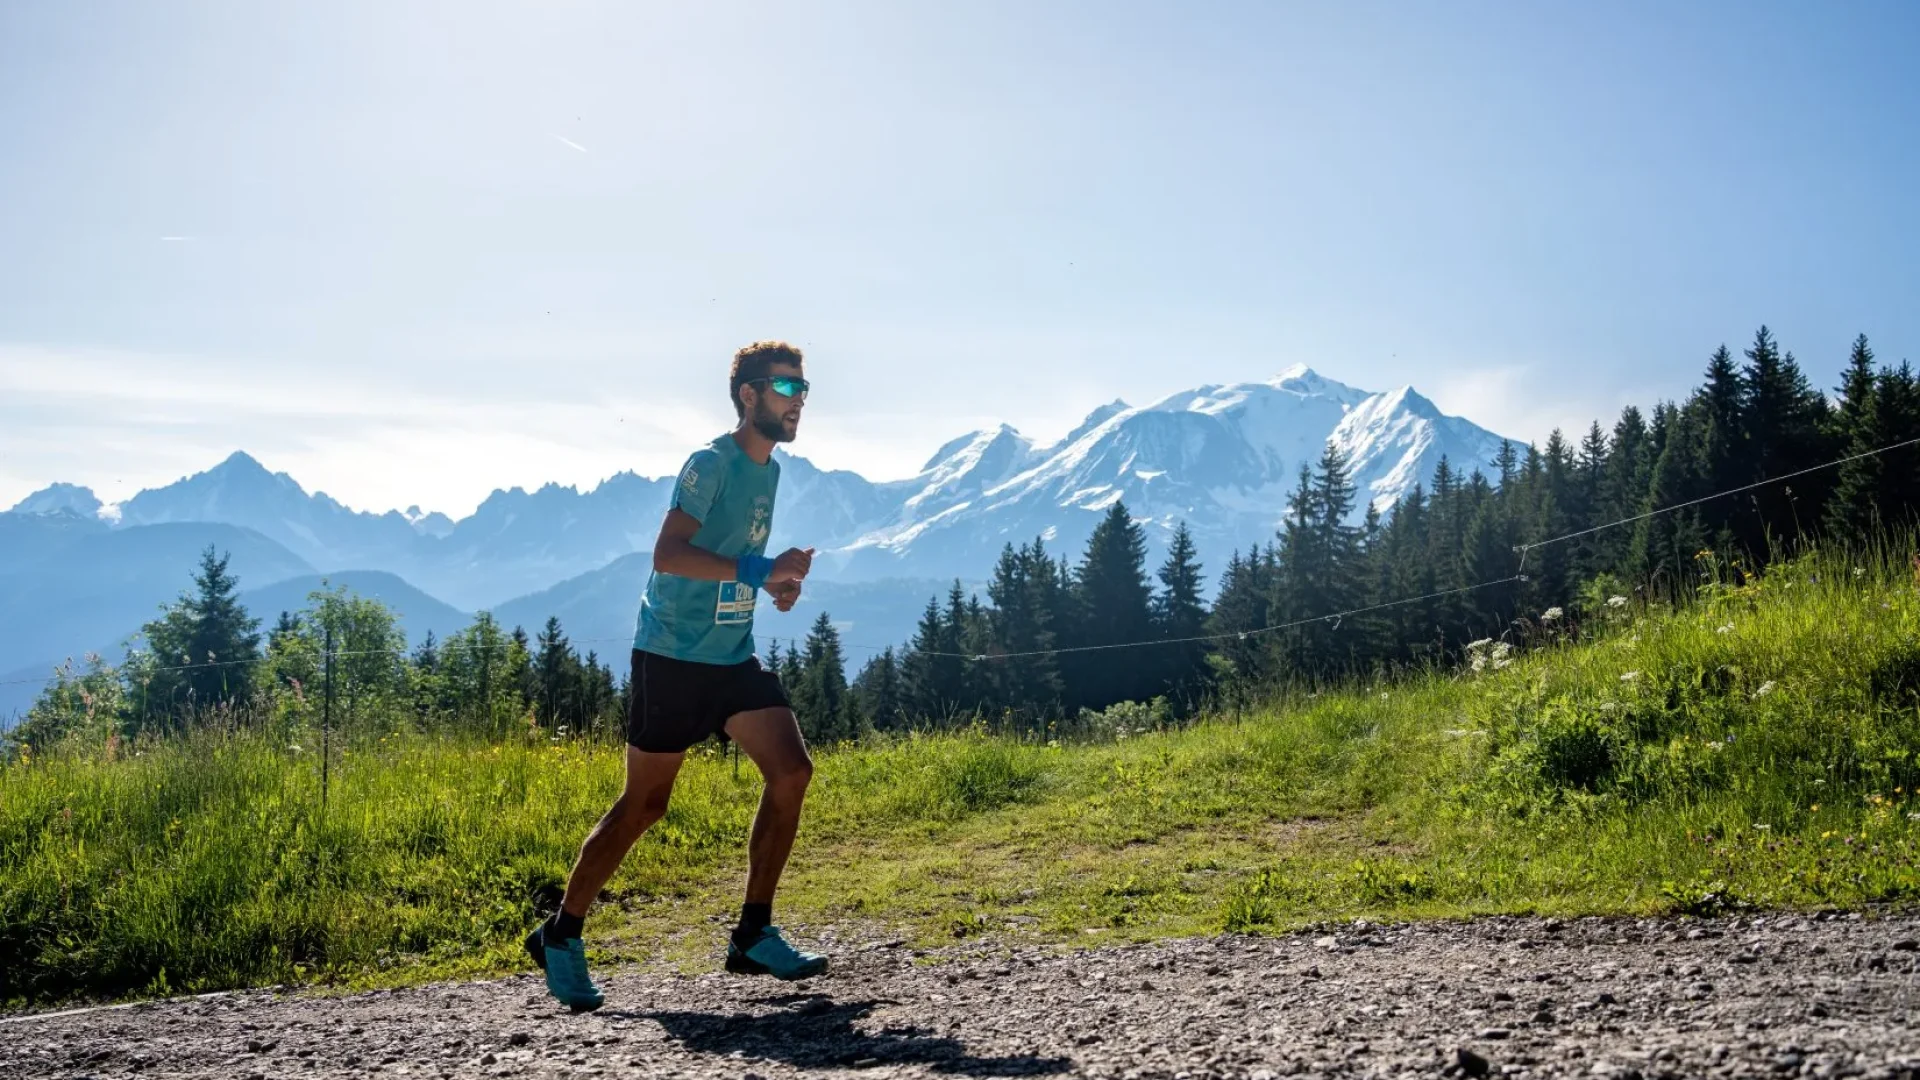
1479,662
1384,697
1552,614
295,748
1501,649
1859,571
1616,601
1609,706
1761,828
1913,817
1765,689
1725,629
1476,646
1629,676
1500,663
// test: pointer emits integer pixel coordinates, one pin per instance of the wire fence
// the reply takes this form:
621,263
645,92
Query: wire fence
1332,619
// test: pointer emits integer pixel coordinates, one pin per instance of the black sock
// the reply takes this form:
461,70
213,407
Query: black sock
564,926
753,919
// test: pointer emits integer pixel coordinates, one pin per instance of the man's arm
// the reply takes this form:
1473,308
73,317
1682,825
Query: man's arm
674,553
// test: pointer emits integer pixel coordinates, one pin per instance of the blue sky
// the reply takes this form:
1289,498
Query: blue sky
411,252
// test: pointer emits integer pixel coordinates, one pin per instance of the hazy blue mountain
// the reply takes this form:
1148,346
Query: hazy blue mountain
61,499
418,612
1220,458
70,586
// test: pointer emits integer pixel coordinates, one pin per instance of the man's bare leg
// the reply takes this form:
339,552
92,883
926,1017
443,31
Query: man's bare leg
644,801
771,738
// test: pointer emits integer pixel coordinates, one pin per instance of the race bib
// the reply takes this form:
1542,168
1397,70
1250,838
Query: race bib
736,604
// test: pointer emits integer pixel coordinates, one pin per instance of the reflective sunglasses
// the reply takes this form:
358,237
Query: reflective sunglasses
784,385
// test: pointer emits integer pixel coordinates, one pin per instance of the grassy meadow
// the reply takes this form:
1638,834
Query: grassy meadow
1755,747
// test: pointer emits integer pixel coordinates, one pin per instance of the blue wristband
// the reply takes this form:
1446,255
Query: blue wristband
752,570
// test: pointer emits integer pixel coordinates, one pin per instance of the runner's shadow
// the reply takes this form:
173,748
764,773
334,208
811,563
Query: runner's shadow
819,1032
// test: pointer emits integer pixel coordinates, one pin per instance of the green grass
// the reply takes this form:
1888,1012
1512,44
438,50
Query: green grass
1757,747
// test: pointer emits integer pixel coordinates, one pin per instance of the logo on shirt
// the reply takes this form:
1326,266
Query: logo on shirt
760,526
690,479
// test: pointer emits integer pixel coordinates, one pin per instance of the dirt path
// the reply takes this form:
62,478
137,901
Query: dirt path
1780,996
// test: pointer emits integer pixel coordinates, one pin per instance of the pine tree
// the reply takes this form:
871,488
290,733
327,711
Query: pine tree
1413,628
1114,608
1021,629
1667,545
1785,420
1724,439
1590,474
821,700
932,668
1241,608
1629,475
200,654
556,679
1858,423
1897,421
475,667
880,691
520,658
1179,613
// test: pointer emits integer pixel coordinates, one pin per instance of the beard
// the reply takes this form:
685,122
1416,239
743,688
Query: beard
769,424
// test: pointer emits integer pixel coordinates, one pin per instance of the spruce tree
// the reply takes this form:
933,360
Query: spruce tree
1785,420
1668,545
1114,608
932,668
1858,423
200,654
821,700
1179,613
557,679
1590,474
880,691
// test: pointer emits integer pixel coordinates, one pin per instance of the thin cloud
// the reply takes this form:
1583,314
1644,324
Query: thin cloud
569,142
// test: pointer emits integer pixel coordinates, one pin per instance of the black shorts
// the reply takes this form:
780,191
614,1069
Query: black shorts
676,704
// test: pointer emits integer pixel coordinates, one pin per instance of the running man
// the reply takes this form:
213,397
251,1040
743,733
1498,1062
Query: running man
695,676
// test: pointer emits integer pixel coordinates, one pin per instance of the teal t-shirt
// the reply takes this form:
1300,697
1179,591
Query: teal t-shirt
711,622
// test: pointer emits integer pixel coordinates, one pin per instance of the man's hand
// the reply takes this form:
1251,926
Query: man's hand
785,594
792,565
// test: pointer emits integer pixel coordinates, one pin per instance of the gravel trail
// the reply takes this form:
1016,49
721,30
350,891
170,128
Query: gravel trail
1778,996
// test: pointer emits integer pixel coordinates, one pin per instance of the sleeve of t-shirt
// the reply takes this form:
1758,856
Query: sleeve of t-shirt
698,485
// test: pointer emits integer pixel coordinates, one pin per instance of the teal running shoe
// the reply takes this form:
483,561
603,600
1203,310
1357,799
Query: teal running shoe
566,967
770,954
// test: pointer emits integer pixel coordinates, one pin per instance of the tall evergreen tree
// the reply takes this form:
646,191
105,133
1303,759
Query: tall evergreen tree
200,653
1114,607
1179,613
821,701
1590,473
1858,426
557,678
1785,419
881,692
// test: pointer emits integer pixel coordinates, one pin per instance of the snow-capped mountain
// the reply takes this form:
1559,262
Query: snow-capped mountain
60,499
1221,458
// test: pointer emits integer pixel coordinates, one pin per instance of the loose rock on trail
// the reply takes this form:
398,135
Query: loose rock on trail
1775,996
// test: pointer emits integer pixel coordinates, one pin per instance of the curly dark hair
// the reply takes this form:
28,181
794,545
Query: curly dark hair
754,362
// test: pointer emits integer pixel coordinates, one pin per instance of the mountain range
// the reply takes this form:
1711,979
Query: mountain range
81,575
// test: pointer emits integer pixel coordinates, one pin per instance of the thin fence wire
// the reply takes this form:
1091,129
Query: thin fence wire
1333,618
